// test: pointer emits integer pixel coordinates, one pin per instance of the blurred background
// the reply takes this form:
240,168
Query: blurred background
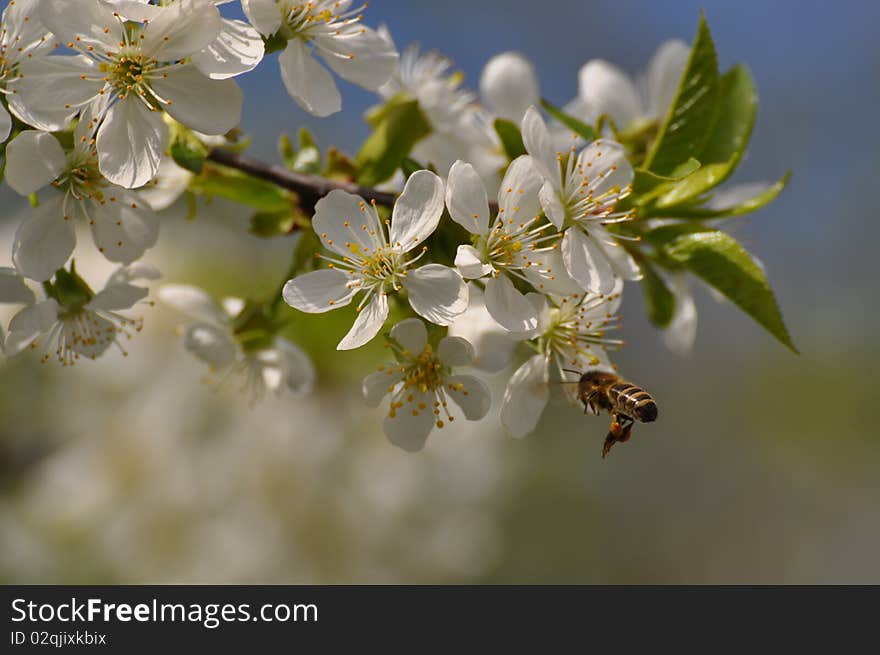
763,468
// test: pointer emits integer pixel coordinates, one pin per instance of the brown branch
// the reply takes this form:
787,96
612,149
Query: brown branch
309,188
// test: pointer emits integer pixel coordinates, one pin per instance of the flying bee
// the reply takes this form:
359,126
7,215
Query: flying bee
626,402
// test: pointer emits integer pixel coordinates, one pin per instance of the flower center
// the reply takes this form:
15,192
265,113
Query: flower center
81,179
425,373
129,72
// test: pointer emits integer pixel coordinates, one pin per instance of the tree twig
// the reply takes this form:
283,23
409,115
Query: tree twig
309,188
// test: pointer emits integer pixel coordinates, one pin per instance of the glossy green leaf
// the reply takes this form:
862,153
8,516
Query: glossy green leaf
720,261
241,188
687,125
393,138
746,207
645,181
511,138
737,109
189,153
583,130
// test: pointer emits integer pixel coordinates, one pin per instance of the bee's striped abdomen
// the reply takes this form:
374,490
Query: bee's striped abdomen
633,401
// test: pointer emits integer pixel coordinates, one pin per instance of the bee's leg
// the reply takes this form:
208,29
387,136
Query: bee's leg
626,431
615,434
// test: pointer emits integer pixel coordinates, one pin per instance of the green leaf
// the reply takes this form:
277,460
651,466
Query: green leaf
272,224
577,126
274,43
189,154
737,109
659,300
288,152
241,188
409,166
746,207
511,138
393,138
720,261
688,122
644,181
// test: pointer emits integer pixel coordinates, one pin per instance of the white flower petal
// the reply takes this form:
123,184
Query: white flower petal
33,160
508,306
608,168
117,297
664,74
552,205
411,334
370,320
556,280
134,271
5,124
621,261
466,198
232,307
123,228
509,85
238,49
342,219
455,351
206,105
130,143
586,262
680,334
307,82
378,384
359,54
539,145
417,211
469,263
136,10
44,241
526,396
518,198
437,293
265,15
493,345
192,302
608,90
319,291
13,289
409,428
299,371
181,29
470,394
211,344
51,90
88,23
30,323
170,183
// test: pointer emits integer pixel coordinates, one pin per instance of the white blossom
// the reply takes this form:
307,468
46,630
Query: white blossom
519,244
422,382
124,77
509,86
237,49
571,338
122,225
372,260
276,365
332,29
23,37
580,194
71,320
605,89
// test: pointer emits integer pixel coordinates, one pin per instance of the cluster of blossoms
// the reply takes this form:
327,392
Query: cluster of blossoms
104,100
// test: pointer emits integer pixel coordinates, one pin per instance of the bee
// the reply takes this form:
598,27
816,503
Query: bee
626,402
